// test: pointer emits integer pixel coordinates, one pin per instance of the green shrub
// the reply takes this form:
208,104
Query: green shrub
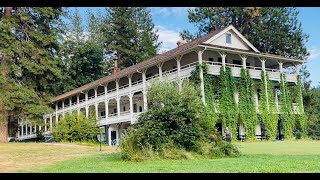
40,136
176,123
76,128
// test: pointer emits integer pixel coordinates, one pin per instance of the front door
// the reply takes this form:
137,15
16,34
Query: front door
113,138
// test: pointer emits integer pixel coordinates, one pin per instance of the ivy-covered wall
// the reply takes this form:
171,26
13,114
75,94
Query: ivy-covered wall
247,105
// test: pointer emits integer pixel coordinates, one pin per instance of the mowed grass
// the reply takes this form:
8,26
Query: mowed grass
287,156
18,156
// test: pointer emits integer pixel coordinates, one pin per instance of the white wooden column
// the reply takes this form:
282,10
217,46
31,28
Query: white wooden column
223,57
244,61
160,70
118,98
45,125
106,102
298,69
280,67
144,85
201,76
178,59
78,102
30,128
70,103
263,64
276,99
50,123
57,112
86,101
26,127
96,104
63,108
130,97
22,127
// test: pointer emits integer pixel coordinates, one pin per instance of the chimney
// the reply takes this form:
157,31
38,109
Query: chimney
181,42
8,11
115,68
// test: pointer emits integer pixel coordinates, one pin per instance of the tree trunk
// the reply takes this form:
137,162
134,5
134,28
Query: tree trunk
3,124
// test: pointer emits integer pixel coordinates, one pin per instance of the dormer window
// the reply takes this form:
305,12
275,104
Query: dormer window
228,38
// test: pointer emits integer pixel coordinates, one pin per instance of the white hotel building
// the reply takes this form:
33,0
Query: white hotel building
118,99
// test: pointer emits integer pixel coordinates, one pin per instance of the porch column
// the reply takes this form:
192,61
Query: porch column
276,99
298,69
119,132
178,59
50,123
86,100
63,108
30,128
244,62
78,102
160,70
70,103
45,125
130,97
201,76
57,112
22,126
118,98
280,67
144,85
106,102
263,63
223,58
26,128
96,105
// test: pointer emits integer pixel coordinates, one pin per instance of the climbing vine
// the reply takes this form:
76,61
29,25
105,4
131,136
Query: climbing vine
227,105
247,110
268,111
286,114
300,117
209,88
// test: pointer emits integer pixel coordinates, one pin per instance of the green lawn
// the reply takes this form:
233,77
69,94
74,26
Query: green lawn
289,156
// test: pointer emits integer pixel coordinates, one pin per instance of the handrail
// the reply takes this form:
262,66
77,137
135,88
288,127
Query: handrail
111,90
102,93
124,112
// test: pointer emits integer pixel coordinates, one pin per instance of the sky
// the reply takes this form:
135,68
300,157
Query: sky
170,21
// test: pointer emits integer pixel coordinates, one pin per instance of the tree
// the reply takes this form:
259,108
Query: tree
130,35
29,47
274,30
82,57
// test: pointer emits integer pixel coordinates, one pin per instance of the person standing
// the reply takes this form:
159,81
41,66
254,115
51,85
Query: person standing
228,134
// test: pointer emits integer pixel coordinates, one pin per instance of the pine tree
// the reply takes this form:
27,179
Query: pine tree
130,35
29,45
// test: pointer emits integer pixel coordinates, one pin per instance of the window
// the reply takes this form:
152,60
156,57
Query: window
219,59
140,108
124,108
102,113
211,59
228,38
115,110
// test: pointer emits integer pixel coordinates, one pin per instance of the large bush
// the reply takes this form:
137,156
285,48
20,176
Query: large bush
76,128
176,123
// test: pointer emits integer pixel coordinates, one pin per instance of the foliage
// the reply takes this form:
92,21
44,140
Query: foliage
82,57
267,107
210,86
286,113
300,116
76,128
176,121
227,105
130,35
29,47
274,30
247,106
312,109
39,134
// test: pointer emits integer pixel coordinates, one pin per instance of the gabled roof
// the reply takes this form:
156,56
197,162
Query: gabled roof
202,41
228,28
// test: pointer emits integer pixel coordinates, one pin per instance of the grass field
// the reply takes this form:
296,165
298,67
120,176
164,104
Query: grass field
18,156
288,156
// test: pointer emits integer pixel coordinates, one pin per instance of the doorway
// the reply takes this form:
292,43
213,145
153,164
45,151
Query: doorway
113,138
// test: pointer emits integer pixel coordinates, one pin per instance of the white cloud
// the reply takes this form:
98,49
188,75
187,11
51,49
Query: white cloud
314,53
168,37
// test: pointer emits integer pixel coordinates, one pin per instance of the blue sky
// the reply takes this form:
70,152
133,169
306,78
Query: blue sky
171,21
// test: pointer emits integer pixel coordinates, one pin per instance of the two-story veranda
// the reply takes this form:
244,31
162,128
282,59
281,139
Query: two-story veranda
118,99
